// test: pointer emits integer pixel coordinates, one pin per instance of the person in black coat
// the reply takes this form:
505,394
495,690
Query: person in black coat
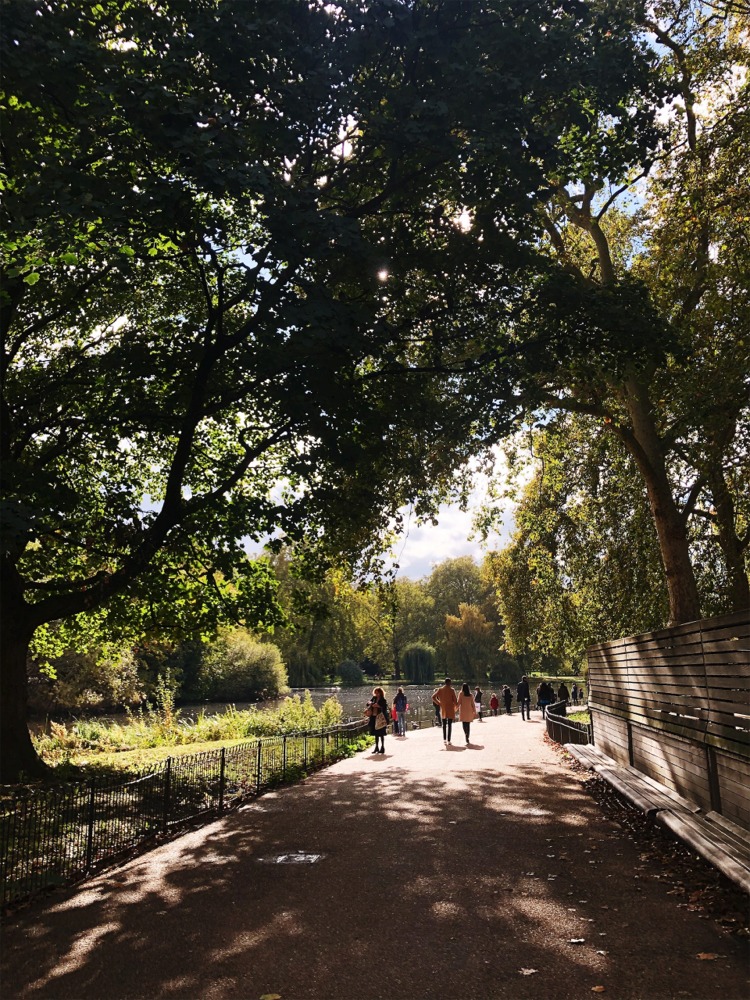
507,699
523,696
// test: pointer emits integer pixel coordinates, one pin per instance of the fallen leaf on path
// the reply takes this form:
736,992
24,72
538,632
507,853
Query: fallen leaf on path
707,956
271,996
598,989
577,941
528,972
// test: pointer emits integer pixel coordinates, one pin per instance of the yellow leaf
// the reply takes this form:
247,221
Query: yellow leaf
707,956
271,996
598,989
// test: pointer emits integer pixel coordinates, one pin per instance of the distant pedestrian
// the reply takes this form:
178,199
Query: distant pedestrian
467,710
494,704
478,702
445,698
399,704
544,697
562,692
523,696
574,693
377,712
507,699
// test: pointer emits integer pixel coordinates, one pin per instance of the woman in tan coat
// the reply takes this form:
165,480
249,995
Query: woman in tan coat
445,698
467,711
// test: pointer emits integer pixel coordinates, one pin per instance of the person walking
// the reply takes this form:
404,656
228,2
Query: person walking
544,697
562,692
523,696
478,702
467,710
445,698
494,704
508,699
574,693
377,712
399,703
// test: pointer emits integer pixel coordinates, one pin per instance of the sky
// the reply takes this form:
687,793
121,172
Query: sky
422,547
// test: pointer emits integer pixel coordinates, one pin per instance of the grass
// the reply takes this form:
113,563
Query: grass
583,716
151,736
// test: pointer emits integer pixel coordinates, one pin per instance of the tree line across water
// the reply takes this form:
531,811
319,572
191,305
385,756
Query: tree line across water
280,269
334,632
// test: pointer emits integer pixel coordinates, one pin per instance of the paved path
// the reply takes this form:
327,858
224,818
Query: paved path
445,872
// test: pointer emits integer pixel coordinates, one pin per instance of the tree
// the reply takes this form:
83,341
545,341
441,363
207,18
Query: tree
669,272
470,645
418,663
392,615
184,314
583,564
210,215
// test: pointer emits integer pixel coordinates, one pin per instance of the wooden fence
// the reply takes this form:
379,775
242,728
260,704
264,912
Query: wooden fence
675,705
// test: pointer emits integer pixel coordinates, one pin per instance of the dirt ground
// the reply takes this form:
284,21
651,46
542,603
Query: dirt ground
479,872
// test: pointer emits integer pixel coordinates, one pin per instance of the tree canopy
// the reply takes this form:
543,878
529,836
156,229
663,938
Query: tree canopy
233,248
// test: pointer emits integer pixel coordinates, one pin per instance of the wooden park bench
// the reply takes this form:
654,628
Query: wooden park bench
723,843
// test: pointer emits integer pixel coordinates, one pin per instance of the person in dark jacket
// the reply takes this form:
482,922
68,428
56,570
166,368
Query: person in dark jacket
399,703
544,696
478,702
507,699
562,692
523,695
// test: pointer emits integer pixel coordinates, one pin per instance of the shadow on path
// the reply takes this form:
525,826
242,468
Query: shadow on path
483,874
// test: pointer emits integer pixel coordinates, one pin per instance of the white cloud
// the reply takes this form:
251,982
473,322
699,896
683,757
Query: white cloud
423,546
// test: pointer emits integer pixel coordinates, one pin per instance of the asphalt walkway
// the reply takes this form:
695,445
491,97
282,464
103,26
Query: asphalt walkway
474,872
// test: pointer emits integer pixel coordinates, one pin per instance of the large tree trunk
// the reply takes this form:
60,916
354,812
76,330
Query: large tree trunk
671,527
19,760
738,585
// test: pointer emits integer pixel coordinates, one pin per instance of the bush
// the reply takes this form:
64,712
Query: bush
91,682
418,663
350,674
237,667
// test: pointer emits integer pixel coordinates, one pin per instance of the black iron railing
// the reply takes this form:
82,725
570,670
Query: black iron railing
564,730
56,836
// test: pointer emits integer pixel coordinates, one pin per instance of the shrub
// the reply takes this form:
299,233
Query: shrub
237,667
350,674
96,681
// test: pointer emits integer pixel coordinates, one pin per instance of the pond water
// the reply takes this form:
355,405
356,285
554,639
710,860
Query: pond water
353,701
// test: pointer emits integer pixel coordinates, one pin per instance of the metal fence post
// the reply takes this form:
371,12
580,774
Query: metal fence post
167,792
257,779
90,832
283,757
322,746
304,748
222,777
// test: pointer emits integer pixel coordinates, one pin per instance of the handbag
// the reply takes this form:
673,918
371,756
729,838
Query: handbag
380,721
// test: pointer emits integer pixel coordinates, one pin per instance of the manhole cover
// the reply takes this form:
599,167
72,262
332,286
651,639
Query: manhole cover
294,858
